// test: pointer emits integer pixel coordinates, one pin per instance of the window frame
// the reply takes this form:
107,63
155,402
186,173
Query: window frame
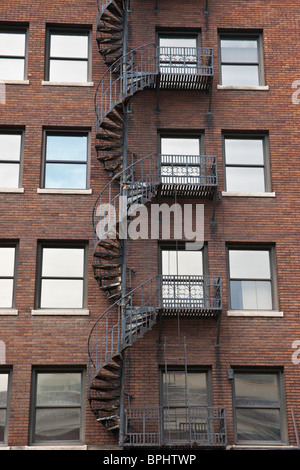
273,274
243,35
17,29
63,245
180,369
33,405
68,133
15,245
282,405
178,135
21,132
65,30
5,370
180,246
266,156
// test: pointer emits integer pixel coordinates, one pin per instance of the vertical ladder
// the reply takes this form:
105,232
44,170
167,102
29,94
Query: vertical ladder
172,357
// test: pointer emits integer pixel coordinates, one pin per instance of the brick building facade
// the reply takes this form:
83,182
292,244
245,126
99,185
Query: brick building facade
213,332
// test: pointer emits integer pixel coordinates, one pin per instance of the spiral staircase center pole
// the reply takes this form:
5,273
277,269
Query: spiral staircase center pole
124,241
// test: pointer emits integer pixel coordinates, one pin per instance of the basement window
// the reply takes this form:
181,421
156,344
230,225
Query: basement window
57,407
259,407
4,404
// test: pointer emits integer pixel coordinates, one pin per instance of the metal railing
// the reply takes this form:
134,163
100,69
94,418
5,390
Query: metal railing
190,425
188,169
113,332
191,293
141,67
141,180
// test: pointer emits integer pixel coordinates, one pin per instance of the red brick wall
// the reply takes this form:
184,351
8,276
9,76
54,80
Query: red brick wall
31,217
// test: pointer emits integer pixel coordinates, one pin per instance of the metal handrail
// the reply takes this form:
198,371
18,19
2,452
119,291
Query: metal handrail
201,425
112,333
140,67
142,177
101,347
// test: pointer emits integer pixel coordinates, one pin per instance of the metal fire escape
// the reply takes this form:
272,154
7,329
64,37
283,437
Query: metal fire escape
137,179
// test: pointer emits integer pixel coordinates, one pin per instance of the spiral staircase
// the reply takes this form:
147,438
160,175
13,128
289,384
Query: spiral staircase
135,181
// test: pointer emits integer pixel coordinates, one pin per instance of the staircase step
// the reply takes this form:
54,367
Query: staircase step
105,388
106,399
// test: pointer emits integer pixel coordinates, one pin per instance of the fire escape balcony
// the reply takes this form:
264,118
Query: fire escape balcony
201,426
190,295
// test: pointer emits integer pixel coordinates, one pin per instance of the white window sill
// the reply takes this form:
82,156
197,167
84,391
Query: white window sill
11,190
246,194
254,313
8,311
83,84
60,311
14,82
63,191
243,87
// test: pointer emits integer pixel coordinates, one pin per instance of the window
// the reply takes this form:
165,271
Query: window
13,53
66,160
7,275
180,160
182,277
252,279
4,405
178,53
10,159
62,277
241,61
246,164
259,409
183,397
68,56
57,406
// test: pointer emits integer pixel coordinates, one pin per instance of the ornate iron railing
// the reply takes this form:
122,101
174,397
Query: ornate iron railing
190,293
190,425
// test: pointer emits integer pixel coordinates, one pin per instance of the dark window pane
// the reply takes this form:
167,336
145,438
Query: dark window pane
2,424
59,389
256,389
3,390
57,425
258,425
